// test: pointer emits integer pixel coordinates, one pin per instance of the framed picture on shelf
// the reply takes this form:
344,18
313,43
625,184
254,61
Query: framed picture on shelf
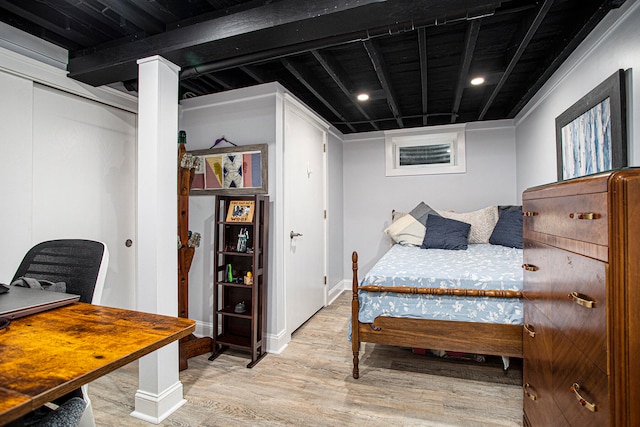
591,135
240,211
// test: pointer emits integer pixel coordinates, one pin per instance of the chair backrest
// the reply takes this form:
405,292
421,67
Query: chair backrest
81,264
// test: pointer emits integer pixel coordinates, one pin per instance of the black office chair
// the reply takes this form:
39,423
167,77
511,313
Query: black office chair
82,266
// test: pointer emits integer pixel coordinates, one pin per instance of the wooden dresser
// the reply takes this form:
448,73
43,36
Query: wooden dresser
582,301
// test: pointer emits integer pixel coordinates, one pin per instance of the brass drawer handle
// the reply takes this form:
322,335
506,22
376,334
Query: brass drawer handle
575,389
582,300
529,213
529,330
529,267
528,393
583,215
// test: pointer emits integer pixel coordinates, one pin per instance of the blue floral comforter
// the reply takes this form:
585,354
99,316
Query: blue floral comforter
481,266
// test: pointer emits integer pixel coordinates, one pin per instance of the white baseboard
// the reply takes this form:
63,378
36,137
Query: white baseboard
155,408
276,343
203,329
337,290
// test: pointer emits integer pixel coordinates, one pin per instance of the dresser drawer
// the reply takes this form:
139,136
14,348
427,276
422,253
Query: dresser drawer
539,276
571,368
582,217
570,290
539,405
580,303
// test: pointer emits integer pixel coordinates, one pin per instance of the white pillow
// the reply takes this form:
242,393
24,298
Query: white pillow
482,221
407,231
396,215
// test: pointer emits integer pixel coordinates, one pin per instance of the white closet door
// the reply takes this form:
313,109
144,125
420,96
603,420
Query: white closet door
15,172
84,180
304,204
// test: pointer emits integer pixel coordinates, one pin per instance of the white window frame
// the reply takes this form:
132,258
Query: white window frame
450,134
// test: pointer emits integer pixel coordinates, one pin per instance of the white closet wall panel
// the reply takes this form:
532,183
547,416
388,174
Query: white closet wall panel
84,180
15,172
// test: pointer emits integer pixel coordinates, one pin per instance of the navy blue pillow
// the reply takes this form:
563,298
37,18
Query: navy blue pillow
508,230
445,233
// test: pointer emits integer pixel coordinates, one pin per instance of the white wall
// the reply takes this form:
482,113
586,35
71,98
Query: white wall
244,117
370,196
612,45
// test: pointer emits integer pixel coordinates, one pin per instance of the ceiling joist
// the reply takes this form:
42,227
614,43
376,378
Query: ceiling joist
343,81
471,37
422,48
542,12
312,85
380,68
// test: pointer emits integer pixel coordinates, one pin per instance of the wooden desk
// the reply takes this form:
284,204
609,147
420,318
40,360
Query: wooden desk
46,355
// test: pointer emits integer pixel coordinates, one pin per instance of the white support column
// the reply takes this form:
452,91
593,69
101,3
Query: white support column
160,390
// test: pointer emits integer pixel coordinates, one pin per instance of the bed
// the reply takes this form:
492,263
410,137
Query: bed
463,300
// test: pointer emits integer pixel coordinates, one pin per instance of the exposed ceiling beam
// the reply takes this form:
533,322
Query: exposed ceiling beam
97,21
542,12
251,72
313,86
560,57
471,36
157,10
63,28
343,81
194,87
210,84
133,15
422,48
219,81
281,24
381,71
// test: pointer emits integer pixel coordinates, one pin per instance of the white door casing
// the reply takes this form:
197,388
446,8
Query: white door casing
304,206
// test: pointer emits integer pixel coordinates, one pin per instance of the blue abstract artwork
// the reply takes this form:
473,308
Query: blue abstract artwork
586,142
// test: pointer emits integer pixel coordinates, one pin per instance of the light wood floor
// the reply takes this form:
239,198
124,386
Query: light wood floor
310,384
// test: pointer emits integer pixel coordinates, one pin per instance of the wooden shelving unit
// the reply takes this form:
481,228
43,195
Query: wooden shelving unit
233,329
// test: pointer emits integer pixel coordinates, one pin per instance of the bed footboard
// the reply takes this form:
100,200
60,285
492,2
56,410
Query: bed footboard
466,337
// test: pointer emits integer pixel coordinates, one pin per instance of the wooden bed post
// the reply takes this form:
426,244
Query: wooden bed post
355,332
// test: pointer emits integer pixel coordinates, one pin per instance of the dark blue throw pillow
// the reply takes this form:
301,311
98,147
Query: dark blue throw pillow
508,230
445,233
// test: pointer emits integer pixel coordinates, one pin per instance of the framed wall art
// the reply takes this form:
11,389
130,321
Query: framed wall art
591,135
239,170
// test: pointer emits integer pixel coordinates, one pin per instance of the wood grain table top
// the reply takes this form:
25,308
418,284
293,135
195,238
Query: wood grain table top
46,355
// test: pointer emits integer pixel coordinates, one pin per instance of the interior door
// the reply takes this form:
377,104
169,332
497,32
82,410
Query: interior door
304,175
84,181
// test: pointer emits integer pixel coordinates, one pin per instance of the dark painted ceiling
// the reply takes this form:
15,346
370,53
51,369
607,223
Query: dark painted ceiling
414,58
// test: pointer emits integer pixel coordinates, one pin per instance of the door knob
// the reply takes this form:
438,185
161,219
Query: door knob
293,234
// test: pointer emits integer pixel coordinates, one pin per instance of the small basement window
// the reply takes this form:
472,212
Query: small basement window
425,151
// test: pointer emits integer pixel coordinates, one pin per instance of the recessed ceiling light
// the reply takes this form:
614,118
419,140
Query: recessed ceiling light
363,96
477,81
